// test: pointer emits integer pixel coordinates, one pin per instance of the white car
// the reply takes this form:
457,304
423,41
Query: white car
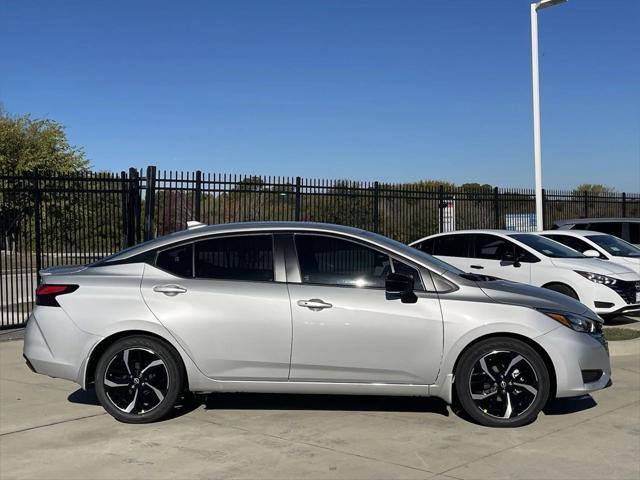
598,245
610,289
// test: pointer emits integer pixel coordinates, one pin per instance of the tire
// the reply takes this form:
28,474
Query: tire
563,289
138,379
485,378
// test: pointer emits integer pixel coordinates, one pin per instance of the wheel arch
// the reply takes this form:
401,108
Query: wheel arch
561,284
532,343
97,351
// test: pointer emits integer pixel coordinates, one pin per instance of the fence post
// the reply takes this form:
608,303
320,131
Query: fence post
133,208
124,238
496,208
149,203
440,208
298,200
544,209
198,195
586,204
624,205
376,194
37,218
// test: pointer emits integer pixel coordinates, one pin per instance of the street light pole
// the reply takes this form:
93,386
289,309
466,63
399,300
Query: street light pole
535,87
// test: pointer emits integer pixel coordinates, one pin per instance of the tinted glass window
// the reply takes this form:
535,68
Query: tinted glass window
245,257
571,242
547,247
177,260
426,246
612,228
491,247
615,246
634,233
404,269
451,245
333,261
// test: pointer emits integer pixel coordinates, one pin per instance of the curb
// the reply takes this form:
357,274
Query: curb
618,348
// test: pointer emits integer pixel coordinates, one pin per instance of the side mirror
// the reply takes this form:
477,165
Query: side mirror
400,285
509,257
591,253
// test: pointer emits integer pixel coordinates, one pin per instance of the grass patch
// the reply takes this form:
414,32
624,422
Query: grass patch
613,334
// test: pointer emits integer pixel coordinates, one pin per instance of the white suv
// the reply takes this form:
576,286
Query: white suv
608,288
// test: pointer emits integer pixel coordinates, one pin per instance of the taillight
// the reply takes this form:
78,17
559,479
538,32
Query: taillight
46,293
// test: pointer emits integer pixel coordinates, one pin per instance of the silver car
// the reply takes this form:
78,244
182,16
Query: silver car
308,308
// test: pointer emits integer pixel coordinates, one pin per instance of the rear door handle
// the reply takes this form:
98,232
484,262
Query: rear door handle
314,304
169,290
477,267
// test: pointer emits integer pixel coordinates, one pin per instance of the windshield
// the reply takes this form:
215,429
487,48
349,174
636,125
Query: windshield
549,248
615,246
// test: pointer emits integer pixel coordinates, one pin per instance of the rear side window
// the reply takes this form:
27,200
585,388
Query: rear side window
246,257
612,228
177,260
451,245
333,261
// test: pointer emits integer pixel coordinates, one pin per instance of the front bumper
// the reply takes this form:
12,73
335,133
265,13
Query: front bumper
573,353
54,345
606,300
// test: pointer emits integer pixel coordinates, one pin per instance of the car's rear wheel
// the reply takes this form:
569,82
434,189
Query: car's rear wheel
138,379
502,382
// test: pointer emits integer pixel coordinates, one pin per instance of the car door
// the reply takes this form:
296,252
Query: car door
222,301
346,328
487,257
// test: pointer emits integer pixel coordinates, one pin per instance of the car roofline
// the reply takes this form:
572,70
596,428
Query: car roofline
274,227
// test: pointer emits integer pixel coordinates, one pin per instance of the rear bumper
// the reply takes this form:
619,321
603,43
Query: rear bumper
572,354
54,345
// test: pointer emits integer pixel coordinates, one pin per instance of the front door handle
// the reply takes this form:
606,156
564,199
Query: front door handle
169,290
314,304
477,267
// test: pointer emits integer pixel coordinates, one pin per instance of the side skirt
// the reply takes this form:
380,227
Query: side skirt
328,388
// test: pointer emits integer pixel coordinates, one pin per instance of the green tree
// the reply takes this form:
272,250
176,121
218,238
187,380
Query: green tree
595,188
28,144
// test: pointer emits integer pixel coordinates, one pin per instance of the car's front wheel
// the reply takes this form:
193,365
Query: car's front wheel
138,379
502,382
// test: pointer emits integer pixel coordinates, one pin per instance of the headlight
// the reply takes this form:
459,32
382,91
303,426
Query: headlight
597,278
574,322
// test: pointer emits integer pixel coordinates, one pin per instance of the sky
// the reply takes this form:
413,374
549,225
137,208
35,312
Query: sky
397,90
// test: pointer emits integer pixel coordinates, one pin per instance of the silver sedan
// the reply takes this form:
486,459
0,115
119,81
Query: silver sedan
308,308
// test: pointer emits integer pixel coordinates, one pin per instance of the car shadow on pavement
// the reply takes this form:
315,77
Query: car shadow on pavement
564,406
85,397
621,320
368,403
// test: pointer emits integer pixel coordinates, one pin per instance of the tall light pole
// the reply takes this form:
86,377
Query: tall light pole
537,154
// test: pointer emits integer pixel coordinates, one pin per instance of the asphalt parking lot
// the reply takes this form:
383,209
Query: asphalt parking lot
50,429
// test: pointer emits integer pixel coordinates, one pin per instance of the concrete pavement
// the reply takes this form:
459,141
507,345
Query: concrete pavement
49,429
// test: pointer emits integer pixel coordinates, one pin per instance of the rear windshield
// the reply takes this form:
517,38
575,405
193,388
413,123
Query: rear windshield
549,248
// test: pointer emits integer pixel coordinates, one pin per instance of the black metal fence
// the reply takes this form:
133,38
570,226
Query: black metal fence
60,219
